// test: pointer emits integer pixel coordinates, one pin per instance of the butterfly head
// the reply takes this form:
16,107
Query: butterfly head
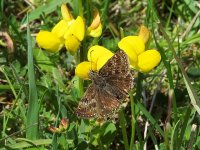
93,74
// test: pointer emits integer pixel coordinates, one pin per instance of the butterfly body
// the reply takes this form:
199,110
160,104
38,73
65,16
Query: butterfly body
108,88
97,79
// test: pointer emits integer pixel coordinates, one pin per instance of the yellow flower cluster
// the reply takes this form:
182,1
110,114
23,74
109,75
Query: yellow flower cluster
97,56
69,32
134,46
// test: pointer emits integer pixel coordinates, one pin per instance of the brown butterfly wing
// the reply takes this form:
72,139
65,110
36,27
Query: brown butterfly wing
87,106
118,65
97,103
116,72
122,83
107,104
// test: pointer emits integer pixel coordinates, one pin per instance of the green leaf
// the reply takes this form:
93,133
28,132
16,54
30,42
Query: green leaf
109,133
75,91
33,106
44,9
28,143
194,72
47,65
174,134
42,60
191,5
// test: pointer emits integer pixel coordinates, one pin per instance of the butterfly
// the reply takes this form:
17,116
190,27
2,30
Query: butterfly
110,85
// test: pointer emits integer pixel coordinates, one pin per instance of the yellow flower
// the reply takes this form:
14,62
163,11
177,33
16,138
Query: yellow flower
53,44
134,46
97,56
97,51
148,60
83,69
72,43
76,28
60,28
68,32
95,29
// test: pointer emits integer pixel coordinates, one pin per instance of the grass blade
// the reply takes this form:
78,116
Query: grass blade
44,9
33,106
24,143
150,118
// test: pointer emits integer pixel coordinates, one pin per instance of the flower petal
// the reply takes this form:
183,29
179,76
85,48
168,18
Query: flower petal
134,43
132,46
77,28
145,34
60,28
133,58
95,32
66,13
148,60
97,51
83,69
72,44
49,41
96,21
102,60
95,29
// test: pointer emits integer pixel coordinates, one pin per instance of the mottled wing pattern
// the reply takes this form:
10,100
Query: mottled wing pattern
117,73
118,65
106,104
87,106
122,83
97,103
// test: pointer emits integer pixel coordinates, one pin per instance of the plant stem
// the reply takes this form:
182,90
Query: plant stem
123,126
132,120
